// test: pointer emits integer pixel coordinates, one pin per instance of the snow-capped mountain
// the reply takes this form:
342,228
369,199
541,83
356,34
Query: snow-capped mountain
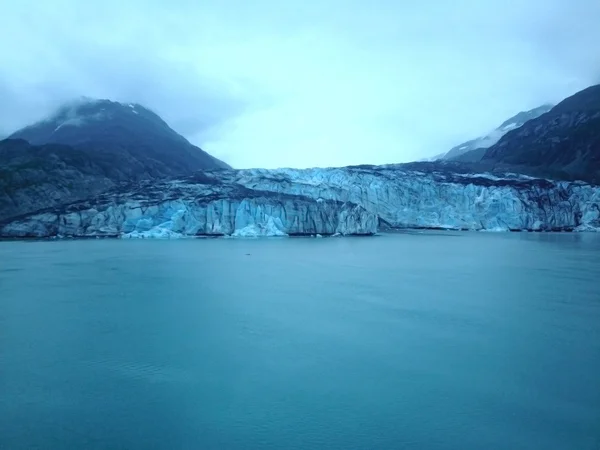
495,135
129,132
87,147
565,142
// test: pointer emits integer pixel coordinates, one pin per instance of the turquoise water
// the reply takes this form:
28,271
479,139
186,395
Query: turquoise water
417,341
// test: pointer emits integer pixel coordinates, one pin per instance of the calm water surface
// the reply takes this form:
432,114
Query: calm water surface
417,341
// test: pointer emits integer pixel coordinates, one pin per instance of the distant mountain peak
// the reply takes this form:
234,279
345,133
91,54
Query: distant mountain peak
78,112
563,143
491,138
520,118
128,130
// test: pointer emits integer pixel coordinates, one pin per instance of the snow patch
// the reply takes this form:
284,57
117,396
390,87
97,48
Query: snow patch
510,126
487,176
71,117
74,122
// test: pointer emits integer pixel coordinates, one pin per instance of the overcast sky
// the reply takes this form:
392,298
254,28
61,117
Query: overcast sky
272,83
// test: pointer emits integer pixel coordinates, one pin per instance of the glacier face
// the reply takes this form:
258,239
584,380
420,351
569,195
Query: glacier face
351,200
412,199
495,135
186,208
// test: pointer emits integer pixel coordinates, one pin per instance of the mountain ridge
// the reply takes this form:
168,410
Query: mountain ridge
128,129
564,141
86,147
495,135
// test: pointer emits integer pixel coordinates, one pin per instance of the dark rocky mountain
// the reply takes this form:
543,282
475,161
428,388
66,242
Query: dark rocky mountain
36,177
494,136
471,156
131,134
86,148
563,143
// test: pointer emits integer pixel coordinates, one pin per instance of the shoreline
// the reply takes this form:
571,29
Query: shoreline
411,230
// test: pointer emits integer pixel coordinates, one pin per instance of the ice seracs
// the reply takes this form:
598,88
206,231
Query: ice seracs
416,199
310,202
173,209
273,227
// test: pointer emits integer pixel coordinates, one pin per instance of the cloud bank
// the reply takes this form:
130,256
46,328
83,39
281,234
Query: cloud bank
272,84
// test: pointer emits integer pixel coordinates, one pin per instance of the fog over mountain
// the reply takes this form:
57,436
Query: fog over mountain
270,84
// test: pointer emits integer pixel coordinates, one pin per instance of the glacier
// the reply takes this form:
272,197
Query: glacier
357,200
439,199
175,209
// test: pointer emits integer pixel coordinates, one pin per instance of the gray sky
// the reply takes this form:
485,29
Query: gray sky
272,83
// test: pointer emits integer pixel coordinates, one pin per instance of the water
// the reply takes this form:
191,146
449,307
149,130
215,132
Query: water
424,341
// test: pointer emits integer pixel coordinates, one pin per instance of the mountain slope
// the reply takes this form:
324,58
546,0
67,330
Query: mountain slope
37,177
564,142
494,136
132,134
86,148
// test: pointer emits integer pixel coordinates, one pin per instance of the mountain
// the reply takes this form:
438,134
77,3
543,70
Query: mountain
87,147
87,190
130,134
563,143
494,136
37,177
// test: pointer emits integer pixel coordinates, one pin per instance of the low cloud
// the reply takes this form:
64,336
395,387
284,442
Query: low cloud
271,83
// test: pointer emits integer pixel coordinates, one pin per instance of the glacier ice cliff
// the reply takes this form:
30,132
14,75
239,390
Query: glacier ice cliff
404,198
348,201
190,208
